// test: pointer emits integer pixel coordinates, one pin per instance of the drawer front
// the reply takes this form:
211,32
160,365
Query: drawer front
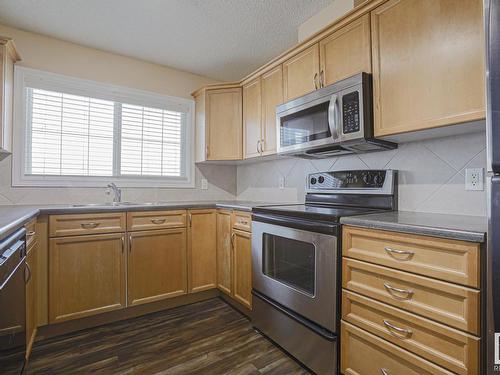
30,233
156,220
242,221
365,354
78,224
448,260
450,304
452,349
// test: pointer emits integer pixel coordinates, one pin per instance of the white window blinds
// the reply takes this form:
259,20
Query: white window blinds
71,135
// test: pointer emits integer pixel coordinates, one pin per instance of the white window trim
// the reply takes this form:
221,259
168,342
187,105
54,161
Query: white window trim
27,77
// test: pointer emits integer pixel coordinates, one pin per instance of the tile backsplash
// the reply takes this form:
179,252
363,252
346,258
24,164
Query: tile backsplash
431,174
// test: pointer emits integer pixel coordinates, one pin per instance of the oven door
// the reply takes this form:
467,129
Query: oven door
298,269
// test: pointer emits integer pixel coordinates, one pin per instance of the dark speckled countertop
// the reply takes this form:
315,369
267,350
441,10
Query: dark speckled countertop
457,227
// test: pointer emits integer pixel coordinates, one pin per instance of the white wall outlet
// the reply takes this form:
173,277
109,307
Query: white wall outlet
281,182
474,179
204,184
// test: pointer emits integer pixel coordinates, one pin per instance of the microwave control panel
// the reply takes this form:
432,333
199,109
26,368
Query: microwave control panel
350,113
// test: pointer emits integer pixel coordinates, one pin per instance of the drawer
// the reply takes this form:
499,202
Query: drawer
450,304
30,233
78,224
452,349
448,260
242,221
365,354
156,220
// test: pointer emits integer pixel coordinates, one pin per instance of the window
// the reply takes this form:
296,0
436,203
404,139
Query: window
71,132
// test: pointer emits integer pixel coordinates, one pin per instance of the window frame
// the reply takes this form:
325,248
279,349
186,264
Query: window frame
28,77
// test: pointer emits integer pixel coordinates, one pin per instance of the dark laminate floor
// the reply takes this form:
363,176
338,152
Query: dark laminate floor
207,337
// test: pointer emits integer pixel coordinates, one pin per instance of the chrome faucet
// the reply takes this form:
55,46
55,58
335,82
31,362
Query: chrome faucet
117,192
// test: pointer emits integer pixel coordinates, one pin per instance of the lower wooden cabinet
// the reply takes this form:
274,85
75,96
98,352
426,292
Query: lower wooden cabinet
242,267
31,296
202,250
157,265
86,275
224,252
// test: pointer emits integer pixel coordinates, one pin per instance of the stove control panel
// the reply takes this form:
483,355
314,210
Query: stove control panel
349,180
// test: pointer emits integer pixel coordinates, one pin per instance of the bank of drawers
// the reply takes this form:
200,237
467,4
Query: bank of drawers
409,303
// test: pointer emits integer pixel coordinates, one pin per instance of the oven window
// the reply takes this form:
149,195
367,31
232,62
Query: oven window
304,126
290,262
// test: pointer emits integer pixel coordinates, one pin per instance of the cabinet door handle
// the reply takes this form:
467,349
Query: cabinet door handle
90,225
158,221
322,79
232,239
391,289
31,233
129,243
315,81
392,327
208,151
384,371
261,146
27,274
123,244
258,146
391,251
190,217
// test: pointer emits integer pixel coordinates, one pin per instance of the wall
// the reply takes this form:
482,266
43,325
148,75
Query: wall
431,174
61,57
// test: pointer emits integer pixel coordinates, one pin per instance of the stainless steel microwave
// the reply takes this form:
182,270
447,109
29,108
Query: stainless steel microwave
334,120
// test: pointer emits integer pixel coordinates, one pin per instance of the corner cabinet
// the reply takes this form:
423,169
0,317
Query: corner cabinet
8,57
428,73
219,125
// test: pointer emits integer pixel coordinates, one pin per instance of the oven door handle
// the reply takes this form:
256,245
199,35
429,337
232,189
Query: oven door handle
333,116
296,223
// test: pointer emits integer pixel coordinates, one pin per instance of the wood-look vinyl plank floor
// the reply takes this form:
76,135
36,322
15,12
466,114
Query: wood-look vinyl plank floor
208,337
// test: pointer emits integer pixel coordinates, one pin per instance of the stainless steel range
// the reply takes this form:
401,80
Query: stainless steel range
296,262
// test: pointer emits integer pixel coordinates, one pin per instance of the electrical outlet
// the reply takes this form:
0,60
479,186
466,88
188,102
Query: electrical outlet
474,179
281,182
204,184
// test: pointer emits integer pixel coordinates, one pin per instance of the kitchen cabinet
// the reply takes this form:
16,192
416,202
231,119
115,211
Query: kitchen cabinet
219,124
87,275
202,250
242,263
8,57
429,73
252,118
301,73
157,265
224,252
31,292
272,96
345,52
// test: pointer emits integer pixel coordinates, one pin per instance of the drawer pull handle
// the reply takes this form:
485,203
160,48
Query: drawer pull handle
390,289
399,252
158,221
244,222
31,233
384,371
404,331
89,225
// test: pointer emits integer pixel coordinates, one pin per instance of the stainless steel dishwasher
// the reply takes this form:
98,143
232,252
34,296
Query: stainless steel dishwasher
14,274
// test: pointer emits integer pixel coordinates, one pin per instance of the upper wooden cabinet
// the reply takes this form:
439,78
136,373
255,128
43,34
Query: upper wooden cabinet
428,64
272,95
202,250
301,73
252,118
219,124
345,52
157,265
8,57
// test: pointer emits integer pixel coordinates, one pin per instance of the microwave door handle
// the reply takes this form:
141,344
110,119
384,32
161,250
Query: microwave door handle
332,116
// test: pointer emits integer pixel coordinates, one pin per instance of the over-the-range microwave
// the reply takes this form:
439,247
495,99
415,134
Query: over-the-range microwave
334,120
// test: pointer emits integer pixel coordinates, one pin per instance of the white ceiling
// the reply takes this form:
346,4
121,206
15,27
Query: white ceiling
221,39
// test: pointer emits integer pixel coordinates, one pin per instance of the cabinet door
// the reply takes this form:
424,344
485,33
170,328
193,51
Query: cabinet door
86,275
252,101
224,254
428,64
346,51
272,95
31,301
224,121
157,265
301,73
202,250
8,56
242,254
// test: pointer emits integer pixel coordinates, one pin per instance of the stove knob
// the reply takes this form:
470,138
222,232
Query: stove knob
321,179
368,179
378,179
313,180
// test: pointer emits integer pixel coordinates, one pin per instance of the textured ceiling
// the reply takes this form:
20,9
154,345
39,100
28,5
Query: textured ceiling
221,39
